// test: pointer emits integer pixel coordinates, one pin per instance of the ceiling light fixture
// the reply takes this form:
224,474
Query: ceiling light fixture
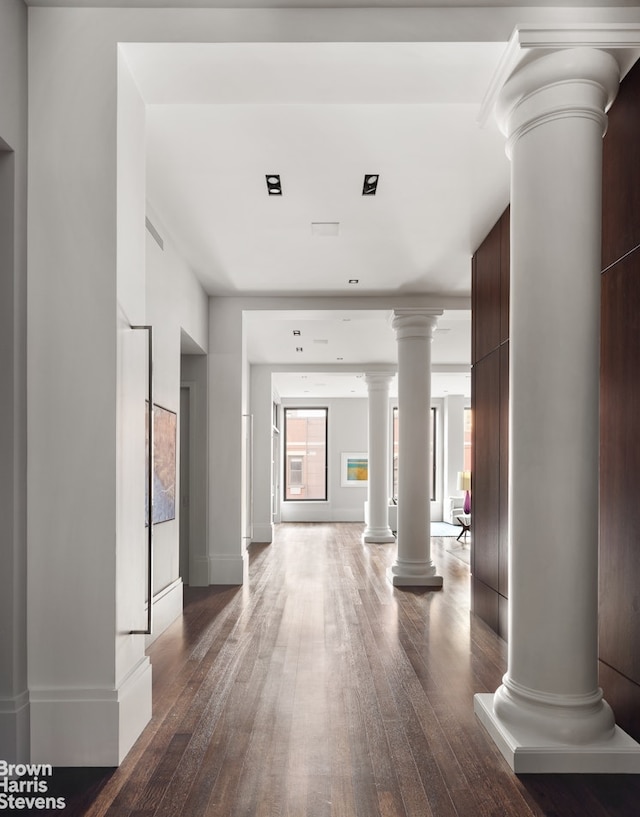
298,348
274,185
296,333
354,280
370,185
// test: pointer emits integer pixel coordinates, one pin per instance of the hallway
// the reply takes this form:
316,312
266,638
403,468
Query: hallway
318,690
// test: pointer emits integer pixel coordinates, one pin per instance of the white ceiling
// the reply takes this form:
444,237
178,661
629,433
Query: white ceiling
220,117
323,115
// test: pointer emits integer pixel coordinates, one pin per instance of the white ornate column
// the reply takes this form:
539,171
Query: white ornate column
413,565
377,529
549,714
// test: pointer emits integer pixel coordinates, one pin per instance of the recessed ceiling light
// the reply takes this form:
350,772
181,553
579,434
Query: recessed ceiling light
354,280
339,358
298,348
296,332
370,184
274,185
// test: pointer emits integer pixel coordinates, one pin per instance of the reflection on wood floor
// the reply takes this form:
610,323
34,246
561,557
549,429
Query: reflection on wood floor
319,690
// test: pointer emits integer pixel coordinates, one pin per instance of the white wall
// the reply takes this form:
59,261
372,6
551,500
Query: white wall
194,376
228,401
74,330
14,710
170,311
176,305
453,407
262,414
347,433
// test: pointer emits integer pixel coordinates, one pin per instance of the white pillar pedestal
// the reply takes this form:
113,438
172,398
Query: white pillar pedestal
549,714
377,529
413,565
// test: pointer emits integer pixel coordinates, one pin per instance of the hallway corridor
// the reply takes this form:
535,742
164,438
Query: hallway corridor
319,690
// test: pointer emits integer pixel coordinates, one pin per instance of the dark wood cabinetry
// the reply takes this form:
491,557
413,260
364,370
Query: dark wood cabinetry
619,606
490,404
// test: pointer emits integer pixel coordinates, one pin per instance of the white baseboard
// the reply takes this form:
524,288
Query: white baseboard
167,606
262,532
90,727
199,572
228,569
308,512
15,728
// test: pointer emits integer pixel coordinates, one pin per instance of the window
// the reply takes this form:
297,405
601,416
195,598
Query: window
433,458
305,442
468,428
295,470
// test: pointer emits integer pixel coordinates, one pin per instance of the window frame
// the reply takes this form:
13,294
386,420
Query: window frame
395,415
287,484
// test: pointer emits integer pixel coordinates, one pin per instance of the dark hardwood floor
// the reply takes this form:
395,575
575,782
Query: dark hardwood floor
319,690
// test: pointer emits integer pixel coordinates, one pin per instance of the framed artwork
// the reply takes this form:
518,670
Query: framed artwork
164,466
354,471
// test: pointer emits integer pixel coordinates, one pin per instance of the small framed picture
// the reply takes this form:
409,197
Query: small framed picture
354,471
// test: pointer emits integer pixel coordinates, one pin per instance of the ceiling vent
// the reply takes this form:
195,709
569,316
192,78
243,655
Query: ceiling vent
325,228
274,185
370,184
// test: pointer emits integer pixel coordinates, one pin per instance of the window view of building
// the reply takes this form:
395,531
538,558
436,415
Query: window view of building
468,427
432,453
305,435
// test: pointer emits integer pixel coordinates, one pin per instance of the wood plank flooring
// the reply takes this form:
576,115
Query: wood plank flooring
319,690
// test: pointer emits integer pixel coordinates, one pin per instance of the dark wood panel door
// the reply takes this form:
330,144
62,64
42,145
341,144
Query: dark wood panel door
621,173
486,474
619,468
486,299
505,271
503,546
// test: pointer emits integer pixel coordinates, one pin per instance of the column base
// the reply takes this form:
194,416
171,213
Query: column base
378,535
413,575
528,753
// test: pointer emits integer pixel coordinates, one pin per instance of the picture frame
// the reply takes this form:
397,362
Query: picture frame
165,426
354,469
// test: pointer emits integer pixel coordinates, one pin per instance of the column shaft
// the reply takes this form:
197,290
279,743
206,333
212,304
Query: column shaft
377,529
413,565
